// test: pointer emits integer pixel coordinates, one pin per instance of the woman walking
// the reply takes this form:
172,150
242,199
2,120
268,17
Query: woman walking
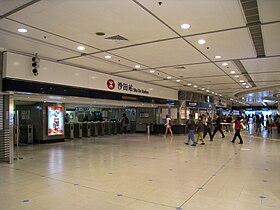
168,125
237,128
199,130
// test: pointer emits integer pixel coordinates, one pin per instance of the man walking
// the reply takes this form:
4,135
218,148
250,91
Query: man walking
218,126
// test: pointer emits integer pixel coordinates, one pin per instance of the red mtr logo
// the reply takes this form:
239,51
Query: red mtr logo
111,84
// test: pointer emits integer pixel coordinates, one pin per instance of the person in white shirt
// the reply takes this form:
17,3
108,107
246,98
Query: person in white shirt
168,125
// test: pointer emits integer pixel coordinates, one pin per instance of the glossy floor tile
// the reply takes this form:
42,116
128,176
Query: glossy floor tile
139,172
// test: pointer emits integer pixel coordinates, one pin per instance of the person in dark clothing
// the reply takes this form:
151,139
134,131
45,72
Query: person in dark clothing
199,130
124,123
237,128
218,126
191,128
207,126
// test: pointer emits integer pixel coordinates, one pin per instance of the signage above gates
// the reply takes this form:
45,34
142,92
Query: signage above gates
125,87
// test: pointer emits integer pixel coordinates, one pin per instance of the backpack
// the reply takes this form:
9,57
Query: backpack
170,122
126,120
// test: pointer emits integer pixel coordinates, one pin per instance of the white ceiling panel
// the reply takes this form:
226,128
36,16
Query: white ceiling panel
8,5
266,77
223,87
271,38
80,21
198,70
45,37
167,83
202,81
12,42
98,64
269,10
162,53
141,75
199,14
262,65
229,44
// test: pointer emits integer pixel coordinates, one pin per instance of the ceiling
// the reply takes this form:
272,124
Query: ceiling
245,33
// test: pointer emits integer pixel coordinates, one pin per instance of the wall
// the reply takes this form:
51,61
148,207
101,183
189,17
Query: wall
141,120
19,67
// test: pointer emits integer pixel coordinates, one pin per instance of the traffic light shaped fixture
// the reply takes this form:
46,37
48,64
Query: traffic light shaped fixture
35,65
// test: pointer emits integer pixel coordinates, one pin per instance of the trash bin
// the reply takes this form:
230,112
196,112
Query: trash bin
94,129
107,128
26,134
101,128
86,129
69,130
78,130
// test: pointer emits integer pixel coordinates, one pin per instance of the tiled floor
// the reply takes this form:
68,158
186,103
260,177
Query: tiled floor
143,172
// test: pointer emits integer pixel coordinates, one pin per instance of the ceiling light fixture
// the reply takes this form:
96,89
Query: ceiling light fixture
241,81
232,72
108,56
137,66
244,83
208,91
221,95
152,71
218,56
185,26
213,92
22,30
236,76
189,84
201,41
195,86
168,77
81,48
224,64
247,86
202,88
177,80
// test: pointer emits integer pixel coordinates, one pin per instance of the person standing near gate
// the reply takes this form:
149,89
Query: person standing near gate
124,123
218,126
207,126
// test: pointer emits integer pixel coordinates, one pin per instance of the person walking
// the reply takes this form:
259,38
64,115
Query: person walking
168,125
237,127
218,126
191,128
207,126
124,123
199,130
269,124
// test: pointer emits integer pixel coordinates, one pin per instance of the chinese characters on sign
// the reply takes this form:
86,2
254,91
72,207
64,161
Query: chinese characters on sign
129,87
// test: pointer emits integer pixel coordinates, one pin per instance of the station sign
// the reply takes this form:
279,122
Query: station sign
111,84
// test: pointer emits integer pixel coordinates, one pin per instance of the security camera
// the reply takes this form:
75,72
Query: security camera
35,72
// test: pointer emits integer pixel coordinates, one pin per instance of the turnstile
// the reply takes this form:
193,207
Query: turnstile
114,127
78,130
94,128
101,128
107,128
119,128
69,130
86,129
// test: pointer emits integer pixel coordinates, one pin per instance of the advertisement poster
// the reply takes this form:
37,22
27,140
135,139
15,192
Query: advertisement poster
55,120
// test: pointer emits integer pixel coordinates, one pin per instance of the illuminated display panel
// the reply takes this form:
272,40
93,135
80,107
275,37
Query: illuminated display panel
55,120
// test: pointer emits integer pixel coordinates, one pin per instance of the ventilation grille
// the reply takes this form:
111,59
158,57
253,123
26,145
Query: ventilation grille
251,12
117,38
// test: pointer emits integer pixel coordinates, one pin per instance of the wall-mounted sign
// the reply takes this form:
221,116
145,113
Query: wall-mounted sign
126,87
55,120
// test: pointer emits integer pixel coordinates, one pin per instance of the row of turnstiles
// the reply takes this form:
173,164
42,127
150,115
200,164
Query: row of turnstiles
87,129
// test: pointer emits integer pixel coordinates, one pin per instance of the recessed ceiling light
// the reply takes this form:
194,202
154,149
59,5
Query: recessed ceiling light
202,88
216,94
243,98
108,56
152,71
168,77
241,81
137,66
244,83
195,86
247,86
213,92
189,84
221,95
177,80
201,41
22,30
232,72
28,97
81,48
236,76
185,26
208,91
218,56
224,64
